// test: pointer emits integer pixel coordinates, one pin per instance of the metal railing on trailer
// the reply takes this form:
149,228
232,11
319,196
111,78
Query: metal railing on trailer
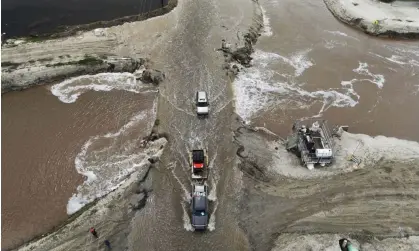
306,156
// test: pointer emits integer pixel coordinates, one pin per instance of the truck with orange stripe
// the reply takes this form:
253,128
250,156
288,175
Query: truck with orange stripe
199,163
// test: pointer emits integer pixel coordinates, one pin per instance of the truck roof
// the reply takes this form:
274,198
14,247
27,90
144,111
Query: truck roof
200,203
202,95
199,188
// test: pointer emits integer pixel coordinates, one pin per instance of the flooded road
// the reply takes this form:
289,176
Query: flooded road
306,64
191,63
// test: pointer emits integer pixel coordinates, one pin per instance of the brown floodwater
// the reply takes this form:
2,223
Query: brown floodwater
41,137
310,56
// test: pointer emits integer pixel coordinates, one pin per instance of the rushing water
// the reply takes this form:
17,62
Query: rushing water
306,64
322,68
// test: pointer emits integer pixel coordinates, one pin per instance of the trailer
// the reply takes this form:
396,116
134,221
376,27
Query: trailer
312,141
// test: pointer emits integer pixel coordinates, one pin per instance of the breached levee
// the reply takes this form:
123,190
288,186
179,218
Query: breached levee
242,54
377,18
21,75
113,211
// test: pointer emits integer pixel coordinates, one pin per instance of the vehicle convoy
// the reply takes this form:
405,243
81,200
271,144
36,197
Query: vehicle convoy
314,145
202,105
199,206
199,203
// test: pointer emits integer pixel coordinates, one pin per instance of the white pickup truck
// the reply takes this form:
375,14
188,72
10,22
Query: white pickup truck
202,103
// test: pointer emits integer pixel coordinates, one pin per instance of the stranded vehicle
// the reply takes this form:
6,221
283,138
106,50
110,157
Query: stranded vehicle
314,144
202,103
199,206
198,160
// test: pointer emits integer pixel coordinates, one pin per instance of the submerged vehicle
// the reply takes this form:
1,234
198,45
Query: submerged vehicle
199,164
202,103
199,206
314,145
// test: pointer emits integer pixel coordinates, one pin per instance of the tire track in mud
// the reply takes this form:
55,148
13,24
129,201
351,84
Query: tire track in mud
377,200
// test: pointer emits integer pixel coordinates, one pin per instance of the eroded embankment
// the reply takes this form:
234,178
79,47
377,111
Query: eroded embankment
377,18
240,55
111,215
20,75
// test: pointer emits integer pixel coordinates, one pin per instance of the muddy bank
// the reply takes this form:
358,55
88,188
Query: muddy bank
239,55
378,200
288,242
111,215
21,75
48,21
43,137
377,18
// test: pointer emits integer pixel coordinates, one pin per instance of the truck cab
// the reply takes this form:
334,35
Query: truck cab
202,104
199,164
199,206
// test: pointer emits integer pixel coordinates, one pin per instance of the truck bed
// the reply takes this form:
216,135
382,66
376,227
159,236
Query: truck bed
200,157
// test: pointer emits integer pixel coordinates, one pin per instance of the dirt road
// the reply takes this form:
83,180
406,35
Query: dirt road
377,200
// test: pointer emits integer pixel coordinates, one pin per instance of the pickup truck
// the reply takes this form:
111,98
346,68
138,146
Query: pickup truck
202,103
199,206
199,164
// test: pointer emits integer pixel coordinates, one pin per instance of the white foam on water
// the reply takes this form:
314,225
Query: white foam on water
267,30
256,91
396,59
404,55
187,225
212,196
377,79
106,170
298,60
330,44
211,223
340,33
186,194
403,60
186,200
337,33
69,90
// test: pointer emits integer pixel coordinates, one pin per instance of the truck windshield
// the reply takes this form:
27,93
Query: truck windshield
200,213
202,104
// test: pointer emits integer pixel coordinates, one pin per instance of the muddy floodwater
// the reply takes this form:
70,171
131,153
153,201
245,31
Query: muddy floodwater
322,68
305,64
24,18
41,137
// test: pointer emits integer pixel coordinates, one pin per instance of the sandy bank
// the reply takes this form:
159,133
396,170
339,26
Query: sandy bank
378,18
